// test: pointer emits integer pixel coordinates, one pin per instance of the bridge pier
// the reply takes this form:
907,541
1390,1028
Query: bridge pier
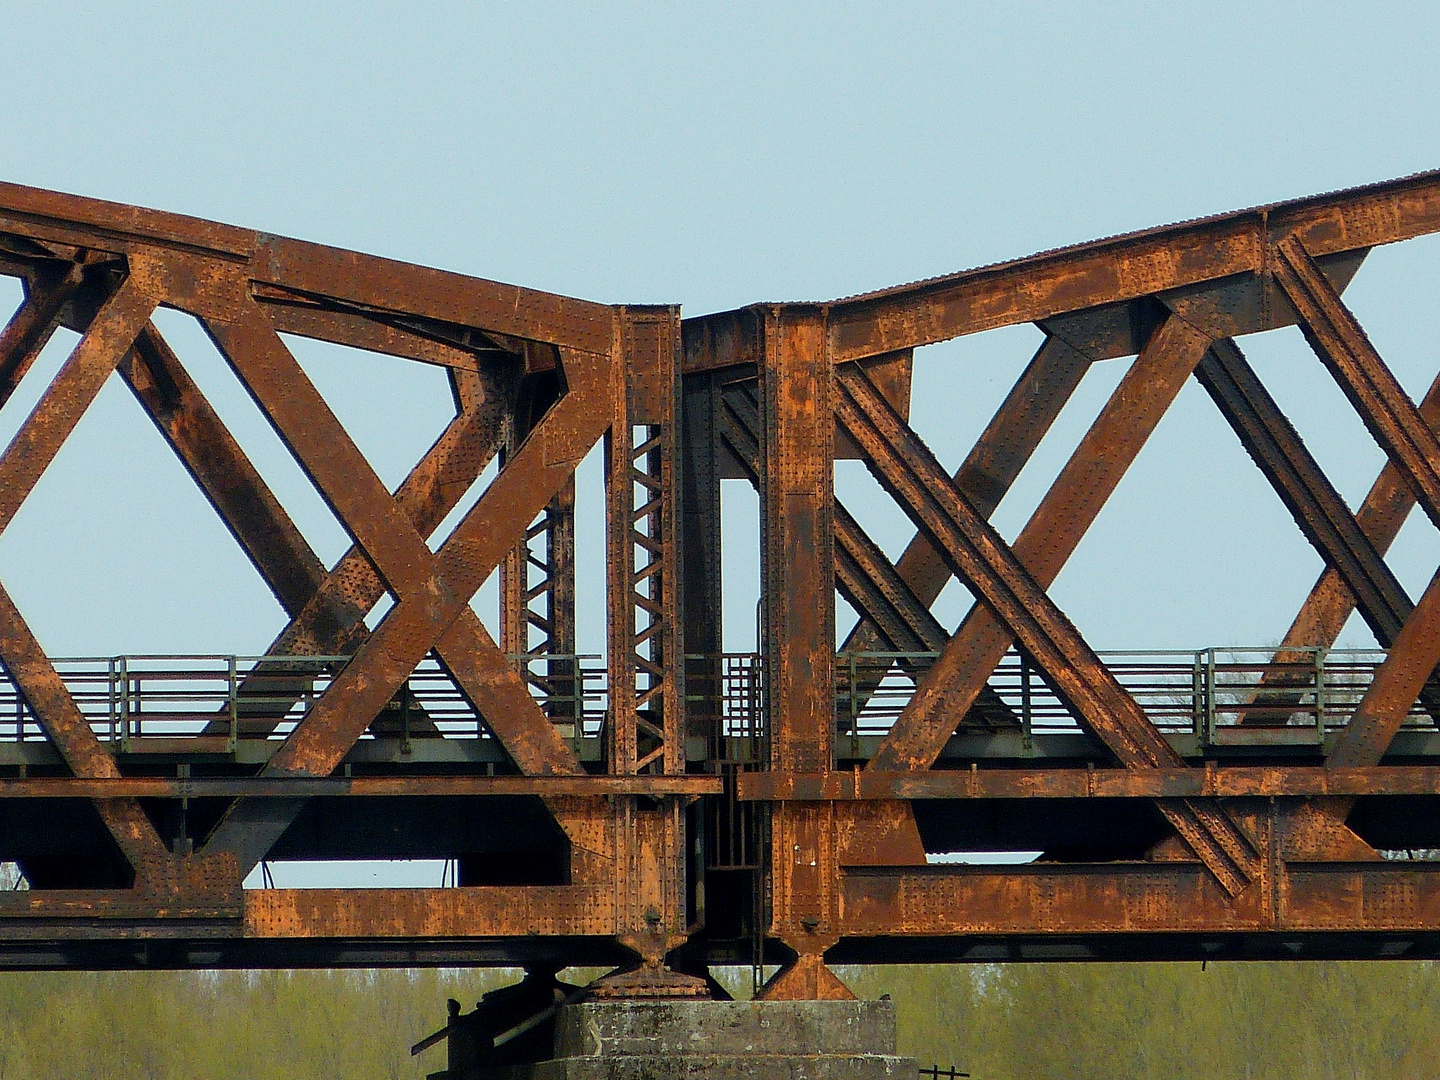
717,1040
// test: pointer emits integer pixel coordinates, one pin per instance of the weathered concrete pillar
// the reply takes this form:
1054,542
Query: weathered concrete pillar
726,1040
667,1040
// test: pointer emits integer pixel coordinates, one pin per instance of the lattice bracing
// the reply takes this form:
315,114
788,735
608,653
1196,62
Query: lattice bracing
658,800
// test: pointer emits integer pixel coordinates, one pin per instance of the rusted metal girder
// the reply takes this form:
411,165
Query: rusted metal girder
1303,487
892,617
646,643
537,577
416,576
513,911
1042,548
1411,445
288,275
1147,898
872,585
1312,500
797,492
26,663
991,467
701,593
1395,687
330,619
222,471
545,606
1384,510
1090,277
898,620
645,722
272,787
234,281
1260,852
32,325
244,288
1184,782
1008,591
108,337
1378,398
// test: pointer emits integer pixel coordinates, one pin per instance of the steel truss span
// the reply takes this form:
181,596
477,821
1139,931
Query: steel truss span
664,803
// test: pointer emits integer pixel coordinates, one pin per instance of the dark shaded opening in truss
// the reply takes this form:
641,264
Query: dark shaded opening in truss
498,840
1065,830
61,844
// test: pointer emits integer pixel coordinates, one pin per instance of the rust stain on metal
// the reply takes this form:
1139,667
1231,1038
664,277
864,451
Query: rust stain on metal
670,794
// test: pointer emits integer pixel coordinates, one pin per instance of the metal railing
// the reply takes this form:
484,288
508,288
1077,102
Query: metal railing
1211,693
1208,693
128,698
726,700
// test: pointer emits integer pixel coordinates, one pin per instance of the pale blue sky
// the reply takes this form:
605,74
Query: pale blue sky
713,156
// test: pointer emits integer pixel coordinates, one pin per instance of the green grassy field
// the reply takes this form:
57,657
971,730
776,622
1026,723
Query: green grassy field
1036,1022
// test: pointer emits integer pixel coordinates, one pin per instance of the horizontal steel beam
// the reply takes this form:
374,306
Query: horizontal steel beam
283,787
1060,782
1129,267
360,281
1113,271
1151,898
488,911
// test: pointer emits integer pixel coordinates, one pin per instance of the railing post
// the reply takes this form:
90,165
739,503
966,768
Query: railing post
1197,690
1320,695
233,700
1027,719
850,705
577,693
114,708
124,674
1209,696
405,747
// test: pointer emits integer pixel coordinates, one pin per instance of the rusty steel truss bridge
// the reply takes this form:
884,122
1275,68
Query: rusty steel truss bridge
669,802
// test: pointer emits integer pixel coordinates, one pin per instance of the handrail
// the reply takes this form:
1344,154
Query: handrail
1308,691
1204,692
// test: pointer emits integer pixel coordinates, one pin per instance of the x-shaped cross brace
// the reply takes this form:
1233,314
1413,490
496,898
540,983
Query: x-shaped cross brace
1011,583
1414,449
432,590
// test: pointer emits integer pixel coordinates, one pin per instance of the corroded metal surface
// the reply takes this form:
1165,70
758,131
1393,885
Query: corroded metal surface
669,802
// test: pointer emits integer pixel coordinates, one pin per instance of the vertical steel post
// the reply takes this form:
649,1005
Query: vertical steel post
233,703
123,670
798,567
1209,696
114,706
798,575
1197,697
646,643
1027,718
646,652
514,581
537,586
562,674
